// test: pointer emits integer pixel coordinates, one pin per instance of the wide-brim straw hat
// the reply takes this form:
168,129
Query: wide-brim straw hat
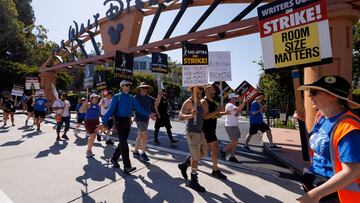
144,85
334,85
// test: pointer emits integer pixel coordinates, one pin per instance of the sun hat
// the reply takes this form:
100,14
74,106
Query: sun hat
334,85
233,96
94,95
125,82
144,85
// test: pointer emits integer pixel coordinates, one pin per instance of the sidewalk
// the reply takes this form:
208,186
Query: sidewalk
290,153
35,168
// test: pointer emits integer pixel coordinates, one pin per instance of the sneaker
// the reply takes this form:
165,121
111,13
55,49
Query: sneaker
247,149
144,157
223,154
89,154
58,138
98,137
109,142
219,175
65,137
173,141
114,163
234,159
127,171
157,142
13,124
194,184
275,147
136,155
38,129
26,122
183,167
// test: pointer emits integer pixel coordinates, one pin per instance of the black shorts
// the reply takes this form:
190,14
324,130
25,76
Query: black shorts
210,134
40,114
80,120
254,128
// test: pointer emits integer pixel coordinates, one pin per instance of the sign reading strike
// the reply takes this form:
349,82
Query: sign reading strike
124,65
100,80
32,83
220,66
226,89
290,33
246,90
159,63
195,65
17,90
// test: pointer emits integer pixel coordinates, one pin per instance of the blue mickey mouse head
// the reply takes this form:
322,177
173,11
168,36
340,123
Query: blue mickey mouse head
115,33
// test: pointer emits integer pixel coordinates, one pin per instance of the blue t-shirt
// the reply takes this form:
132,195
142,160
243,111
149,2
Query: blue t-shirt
146,102
348,147
81,115
257,118
93,112
40,104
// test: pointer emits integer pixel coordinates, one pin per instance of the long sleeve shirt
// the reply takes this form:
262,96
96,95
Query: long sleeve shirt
126,103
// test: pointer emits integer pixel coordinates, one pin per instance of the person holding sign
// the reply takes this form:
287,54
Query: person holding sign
92,110
193,112
62,108
335,141
211,112
30,109
121,107
257,123
232,126
142,122
40,109
9,109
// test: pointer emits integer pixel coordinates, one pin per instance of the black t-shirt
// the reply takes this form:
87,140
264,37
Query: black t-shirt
9,105
29,104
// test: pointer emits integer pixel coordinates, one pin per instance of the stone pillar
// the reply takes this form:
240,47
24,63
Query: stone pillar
342,17
46,78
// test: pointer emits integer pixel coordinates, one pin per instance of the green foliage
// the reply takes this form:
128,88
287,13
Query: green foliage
15,73
63,81
356,55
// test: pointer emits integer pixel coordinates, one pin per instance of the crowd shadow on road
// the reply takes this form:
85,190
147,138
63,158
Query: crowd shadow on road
4,129
21,140
55,149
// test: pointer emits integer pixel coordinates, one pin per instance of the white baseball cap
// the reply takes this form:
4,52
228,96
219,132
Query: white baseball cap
233,95
125,82
94,95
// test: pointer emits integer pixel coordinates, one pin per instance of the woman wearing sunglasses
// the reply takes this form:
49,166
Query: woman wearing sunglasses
334,173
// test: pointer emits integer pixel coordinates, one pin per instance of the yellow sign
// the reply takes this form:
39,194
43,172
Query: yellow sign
300,45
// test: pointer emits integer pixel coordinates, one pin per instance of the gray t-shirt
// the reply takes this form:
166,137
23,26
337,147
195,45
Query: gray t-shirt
198,126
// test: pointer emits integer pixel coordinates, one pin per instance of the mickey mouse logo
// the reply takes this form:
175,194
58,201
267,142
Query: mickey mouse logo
115,33
330,79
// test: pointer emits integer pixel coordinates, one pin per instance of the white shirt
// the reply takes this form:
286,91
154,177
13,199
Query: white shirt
232,119
62,104
104,104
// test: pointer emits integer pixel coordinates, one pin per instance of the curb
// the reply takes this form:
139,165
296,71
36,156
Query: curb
278,155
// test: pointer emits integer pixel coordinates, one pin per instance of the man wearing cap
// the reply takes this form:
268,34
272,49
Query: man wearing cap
257,123
211,112
232,126
194,115
104,105
39,109
62,107
121,107
142,122
334,173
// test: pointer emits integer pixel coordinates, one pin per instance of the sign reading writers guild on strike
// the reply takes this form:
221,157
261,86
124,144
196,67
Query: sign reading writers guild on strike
294,33
219,66
89,76
159,63
32,83
195,65
124,65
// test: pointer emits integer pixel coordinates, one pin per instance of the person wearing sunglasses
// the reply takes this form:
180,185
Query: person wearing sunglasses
334,173
121,107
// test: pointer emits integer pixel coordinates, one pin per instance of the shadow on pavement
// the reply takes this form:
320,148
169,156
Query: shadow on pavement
54,149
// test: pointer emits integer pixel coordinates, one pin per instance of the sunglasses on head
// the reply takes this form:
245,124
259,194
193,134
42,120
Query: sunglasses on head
127,85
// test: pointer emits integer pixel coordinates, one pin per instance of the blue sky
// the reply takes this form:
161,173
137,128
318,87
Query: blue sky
57,16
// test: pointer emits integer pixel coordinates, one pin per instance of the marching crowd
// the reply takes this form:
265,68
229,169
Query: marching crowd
334,139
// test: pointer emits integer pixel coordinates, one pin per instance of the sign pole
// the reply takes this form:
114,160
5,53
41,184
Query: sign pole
300,109
195,92
221,94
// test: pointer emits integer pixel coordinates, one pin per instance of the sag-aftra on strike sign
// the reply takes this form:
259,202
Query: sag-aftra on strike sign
290,33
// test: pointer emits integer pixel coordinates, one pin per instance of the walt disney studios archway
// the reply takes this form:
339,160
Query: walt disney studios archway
120,30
